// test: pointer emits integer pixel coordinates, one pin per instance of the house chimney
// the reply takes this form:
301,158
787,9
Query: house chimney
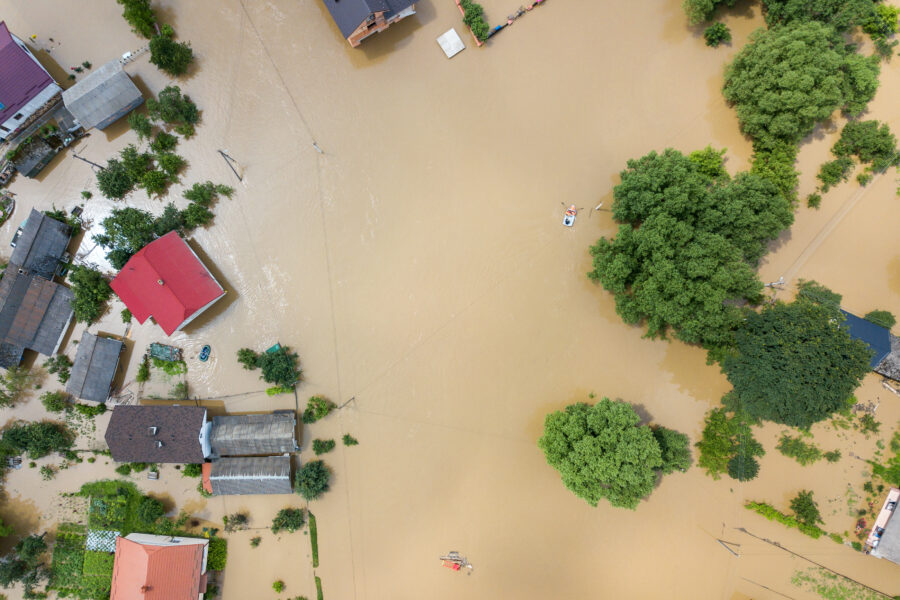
159,281
145,589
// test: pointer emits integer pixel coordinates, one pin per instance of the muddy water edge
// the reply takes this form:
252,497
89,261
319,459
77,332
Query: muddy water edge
419,266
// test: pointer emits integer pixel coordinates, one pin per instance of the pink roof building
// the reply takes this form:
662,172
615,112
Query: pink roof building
25,86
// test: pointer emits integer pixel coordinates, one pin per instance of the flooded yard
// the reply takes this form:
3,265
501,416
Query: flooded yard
419,267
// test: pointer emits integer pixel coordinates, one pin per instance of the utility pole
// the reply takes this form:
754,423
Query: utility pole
75,155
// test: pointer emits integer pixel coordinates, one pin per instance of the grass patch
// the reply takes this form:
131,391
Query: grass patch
828,585
314,539
319,588
170,367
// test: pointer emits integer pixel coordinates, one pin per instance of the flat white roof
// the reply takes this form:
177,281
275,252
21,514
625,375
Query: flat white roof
450,43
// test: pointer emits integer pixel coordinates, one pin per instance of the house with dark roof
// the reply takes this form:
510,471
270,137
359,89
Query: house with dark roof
27,90
167,281
253,435
159,567
248,475
42,245
358,19
103,97
95,367
884,345
158,434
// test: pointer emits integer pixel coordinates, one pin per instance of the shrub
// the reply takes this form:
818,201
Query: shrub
288,519
796,448
835,171
724,438
150,510
279,367
170,367
235,522
192,470
743,467
813,201
247,358
61,365
882,318
114,181
473,17
717,33
856,546
277,389
55,402
91,292
805,508
164,142
170,56
349,440
47,472
143,373
38,439
881,22
124,469
278,586
311,480
772,514
836,538
255,541
832,456
204,193
218,554
317,408
140,16
179,391
171,107
86,195
140,124
322,446
202,491
154,182
868,424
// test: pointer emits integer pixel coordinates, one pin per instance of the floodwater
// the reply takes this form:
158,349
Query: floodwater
420,268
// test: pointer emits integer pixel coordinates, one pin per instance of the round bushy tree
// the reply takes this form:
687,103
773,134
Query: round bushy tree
312,479
288,519
149,510
806,509
601,451
743,467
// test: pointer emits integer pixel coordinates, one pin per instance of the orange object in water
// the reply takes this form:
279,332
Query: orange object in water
452,565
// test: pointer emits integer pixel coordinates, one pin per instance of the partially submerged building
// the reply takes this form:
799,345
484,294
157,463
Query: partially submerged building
159,567
253,435
884,538
358,19
166,280
95,367
103,97
884,345
27,91
35,311
248,475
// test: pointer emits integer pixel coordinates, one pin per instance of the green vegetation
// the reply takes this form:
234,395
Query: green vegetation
890,471
311,480
322,446
806,62
171,107
60,215
47,472
126,315
813,201
56,402
805,508
349,440
684,254
674,447
881,23
834,172
773,514
728,445
868,424
170,367
60,365
143,373
717,33
149,510
278,586
236,522
25,565
831,586
794,447
871,142
202,491
140,124
699,11
14,384
317,408
775,162
786,351
314,540
179,391
164,142
833,456
882,318
255,541
114,181
843,14
207,192
278,367
218,554
140,16
168,55
191,470
473,17
319,595
601,451
91,292
288,519
37,439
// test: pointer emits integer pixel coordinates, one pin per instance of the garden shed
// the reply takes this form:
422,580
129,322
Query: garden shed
41,246
249,435
95,367
248,475
103,97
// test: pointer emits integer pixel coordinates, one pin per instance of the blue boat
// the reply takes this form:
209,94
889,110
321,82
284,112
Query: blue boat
204,353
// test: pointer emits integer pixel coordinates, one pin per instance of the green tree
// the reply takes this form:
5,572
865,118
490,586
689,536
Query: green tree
716,34
247,358
91,292
171,164
140,16
805,508
149,510
126,231
14,383
322,446
775,161
725,438
699,11
881,22
38,439
164,142
12,569
140,124
55,402
113,180
170,56
136,163
154,182
218,554
841,14
473,17
317,408
674,447
288,519
870,141
30,549
171,107
882,318
192,470
602,452
743,467
312,479
196,215
790,77
279,367
205,193
61,365
795,364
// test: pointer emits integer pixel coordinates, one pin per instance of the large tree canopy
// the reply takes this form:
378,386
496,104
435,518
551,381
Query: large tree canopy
686,250
841,14
602,452
791,76
795,363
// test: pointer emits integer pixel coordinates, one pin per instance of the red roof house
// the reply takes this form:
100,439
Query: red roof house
167,281
25,86
155,567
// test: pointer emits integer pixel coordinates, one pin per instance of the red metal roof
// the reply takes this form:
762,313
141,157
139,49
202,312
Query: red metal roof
21,79
205,471
147,572
167,281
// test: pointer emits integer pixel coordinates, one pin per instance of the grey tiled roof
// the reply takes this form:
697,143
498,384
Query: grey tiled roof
257,475
94,368
34,314
103,97
176,439
41,245
350,14
247,435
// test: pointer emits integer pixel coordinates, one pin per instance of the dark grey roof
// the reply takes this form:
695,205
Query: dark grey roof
350,14
94,368
247,435
41,245
130,436
258,475
889,546
890,366
103,97
34,314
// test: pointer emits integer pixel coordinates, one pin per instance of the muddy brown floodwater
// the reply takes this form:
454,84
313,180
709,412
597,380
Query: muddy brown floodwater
419,266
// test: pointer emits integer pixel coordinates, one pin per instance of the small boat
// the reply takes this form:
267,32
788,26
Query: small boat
204,352
571,213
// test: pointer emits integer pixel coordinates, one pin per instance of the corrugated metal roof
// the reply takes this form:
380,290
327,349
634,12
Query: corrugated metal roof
21,78
102,97
94,367
257,475
34,314
247,435
41,245
875,336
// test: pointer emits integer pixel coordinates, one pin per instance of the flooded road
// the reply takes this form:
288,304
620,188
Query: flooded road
419,266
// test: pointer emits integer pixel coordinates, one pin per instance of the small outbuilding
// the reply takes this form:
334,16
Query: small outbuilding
358,19
42,245
103,97
95,367
248,476
167,281
253,435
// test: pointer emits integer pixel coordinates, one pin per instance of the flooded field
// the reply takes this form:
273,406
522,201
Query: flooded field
419,267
